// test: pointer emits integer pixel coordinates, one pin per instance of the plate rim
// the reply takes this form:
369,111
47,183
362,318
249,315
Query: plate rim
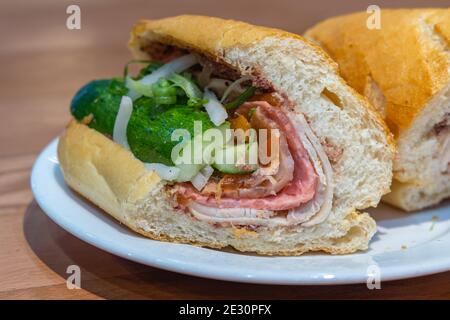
395,272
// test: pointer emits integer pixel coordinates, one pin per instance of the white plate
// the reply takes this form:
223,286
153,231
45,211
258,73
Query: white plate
405,246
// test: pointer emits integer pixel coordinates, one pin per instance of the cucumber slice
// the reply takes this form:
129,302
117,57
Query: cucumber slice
187,162
188,168
235,159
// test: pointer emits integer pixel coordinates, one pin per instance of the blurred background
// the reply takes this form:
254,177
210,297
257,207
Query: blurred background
44,63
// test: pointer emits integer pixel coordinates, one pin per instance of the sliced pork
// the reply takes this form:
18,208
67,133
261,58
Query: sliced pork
286,198
299,190
266,181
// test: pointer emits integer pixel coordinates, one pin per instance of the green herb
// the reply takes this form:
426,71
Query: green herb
243,97
166,99
152,66
188,86
164,92
138,87
196,102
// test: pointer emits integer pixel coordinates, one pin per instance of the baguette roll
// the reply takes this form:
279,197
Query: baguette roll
404,70
338,149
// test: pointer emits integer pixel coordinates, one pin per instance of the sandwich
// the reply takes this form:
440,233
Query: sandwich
403,68
141,146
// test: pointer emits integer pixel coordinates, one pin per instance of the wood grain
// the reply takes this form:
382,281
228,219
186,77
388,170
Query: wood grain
42,65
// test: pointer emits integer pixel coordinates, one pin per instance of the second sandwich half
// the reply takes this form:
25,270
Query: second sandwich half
334,154
404,69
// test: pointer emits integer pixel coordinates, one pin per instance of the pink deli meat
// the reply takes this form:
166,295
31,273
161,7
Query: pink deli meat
298,191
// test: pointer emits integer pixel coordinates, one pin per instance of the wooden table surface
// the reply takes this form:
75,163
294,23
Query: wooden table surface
42,65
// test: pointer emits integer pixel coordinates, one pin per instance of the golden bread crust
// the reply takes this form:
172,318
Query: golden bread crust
214,36
102,170
407,58
207,35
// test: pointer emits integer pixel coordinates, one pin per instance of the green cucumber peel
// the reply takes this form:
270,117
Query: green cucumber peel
242,98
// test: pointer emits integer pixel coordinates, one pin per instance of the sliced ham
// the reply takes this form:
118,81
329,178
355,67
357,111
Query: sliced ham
300,190
266,181
305,197
242,216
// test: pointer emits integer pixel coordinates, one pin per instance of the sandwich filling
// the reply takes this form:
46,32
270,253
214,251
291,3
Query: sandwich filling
300,189
164,114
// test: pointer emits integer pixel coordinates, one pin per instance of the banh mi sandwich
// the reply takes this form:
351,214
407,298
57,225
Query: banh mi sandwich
404,70
333,155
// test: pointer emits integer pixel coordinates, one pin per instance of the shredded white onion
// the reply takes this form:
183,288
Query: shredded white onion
134,95
163,171
234,86
218,85
175,66
201,179
121,123
204,77
214,108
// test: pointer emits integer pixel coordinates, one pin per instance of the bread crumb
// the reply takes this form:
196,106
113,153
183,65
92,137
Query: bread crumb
239,232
